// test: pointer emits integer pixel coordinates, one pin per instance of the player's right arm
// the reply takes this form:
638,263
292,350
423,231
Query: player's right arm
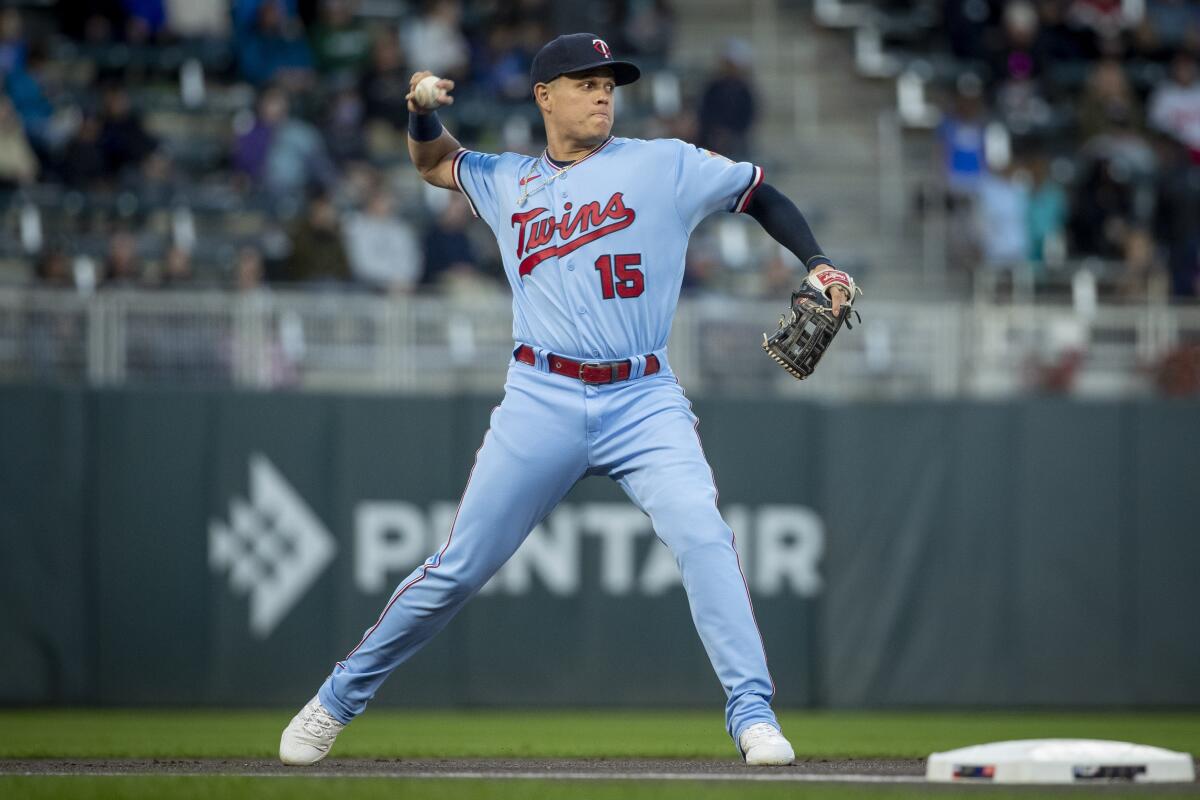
433,159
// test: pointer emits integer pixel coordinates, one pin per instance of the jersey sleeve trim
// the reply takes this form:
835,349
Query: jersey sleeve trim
455,167
744,199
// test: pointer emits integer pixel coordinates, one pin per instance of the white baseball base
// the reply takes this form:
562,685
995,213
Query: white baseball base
1060,761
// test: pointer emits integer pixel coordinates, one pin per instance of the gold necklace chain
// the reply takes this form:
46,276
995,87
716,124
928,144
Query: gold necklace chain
525,190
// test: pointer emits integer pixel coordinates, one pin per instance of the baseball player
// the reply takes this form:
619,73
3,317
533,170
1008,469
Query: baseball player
593,235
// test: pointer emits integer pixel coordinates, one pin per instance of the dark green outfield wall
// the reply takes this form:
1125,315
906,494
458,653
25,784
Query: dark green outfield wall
167,547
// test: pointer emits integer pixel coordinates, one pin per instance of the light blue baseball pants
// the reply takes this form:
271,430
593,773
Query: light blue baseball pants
547,433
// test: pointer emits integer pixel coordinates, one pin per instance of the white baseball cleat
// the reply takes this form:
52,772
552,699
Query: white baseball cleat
308,737
763,745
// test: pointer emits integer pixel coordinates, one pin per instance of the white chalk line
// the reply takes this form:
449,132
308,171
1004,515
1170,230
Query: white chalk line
761,777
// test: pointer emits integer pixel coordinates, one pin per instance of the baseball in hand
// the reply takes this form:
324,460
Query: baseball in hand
428,92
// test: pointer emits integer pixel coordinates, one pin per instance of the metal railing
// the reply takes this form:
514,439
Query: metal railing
348,342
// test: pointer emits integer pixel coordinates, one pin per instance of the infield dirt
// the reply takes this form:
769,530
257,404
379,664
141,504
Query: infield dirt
863,771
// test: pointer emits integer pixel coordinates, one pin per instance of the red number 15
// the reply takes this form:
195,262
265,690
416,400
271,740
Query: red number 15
621,275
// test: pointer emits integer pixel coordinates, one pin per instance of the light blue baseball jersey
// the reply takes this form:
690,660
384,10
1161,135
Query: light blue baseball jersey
595,252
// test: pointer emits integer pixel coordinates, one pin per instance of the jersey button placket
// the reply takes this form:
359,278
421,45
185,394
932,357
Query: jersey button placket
563,195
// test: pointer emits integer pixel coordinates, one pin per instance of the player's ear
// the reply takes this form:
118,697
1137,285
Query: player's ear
541,95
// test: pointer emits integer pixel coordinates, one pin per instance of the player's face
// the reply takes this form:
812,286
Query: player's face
582,104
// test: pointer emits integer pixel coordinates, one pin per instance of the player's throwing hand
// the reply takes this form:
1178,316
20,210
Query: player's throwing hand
424,97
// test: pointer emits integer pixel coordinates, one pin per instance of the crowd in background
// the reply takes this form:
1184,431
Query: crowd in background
1098,152
184,143
204,142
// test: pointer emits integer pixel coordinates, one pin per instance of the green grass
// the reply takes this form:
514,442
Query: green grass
611,734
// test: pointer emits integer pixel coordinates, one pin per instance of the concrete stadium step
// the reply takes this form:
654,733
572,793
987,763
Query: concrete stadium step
818,133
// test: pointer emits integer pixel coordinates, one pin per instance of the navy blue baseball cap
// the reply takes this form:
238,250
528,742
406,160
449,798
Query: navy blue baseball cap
576,52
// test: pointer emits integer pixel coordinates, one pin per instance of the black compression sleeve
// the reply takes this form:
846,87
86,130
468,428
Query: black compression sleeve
784,223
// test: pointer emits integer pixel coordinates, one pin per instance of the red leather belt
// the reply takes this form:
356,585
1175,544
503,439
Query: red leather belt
586,371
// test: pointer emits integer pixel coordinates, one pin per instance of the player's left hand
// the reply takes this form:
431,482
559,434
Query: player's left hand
838,286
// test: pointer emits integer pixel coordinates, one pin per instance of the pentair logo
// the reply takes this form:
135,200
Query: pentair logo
602,47
274,546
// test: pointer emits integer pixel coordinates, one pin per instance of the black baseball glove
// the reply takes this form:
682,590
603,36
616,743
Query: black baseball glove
807,329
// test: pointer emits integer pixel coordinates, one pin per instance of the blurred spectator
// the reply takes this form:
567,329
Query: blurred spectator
1057,42
253,143
385,82
123,139
248,270
281,153
1175,105
1055,370
297,158
92,20
345,137
511,56
1103,20
1178,374
1114,196
340,43
1047,218
18,164
177,269
1169,25
246,11
145,20
13,47
1018,57
1107,95
960,139
190,19
728,106
317,255
434,41
155,183
1124,143
450,259
82,162
650,28
284,339
53,270
46,132
1016,67
123,267
1140,268
1177,221
967,24
384,252
1003,214
271,45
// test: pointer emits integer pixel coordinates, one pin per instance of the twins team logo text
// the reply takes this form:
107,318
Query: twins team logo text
587,223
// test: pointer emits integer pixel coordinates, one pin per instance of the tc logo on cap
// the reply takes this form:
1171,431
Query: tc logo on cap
602,48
